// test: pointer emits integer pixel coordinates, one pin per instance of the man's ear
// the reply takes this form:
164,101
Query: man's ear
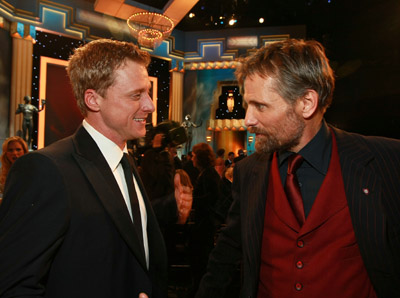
92,100
309,103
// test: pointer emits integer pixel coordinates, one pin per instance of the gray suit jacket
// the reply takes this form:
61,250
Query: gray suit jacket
371,163
65,230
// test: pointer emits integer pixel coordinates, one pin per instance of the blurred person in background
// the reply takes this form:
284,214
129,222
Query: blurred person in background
225,201
158,170
206,194
189,168
229,161
220,162
13,148
240,156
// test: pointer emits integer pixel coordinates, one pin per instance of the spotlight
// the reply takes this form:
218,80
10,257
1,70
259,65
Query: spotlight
191,15
232,21
261,20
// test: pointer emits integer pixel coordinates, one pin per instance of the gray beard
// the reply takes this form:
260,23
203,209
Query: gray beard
273,142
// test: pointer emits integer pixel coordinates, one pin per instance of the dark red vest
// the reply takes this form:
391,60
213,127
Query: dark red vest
320,259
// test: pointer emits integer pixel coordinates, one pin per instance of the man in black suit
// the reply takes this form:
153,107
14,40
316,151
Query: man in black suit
229,160
68,227
341,238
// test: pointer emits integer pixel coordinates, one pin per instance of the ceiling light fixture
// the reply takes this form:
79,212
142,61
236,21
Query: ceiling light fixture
150,28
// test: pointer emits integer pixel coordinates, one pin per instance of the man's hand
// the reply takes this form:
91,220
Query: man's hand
157,140
183,196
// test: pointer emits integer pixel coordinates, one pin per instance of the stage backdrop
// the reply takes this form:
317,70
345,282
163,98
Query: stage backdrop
200,102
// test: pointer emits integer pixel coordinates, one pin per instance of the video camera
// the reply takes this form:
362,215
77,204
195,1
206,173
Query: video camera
173,133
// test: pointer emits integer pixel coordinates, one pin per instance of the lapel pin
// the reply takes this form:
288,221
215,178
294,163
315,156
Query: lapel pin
366,191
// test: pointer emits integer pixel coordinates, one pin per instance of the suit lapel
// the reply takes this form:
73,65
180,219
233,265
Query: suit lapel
363,190
100,176
254,198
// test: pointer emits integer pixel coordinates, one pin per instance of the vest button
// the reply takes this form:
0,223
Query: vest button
299,264
298,286
300,243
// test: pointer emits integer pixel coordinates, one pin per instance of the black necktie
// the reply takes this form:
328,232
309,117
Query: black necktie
126,163
292,188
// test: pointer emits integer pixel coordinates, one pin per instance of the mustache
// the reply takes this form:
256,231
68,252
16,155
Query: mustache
257,130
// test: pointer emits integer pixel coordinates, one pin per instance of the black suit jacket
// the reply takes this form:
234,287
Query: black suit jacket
371,175
65,230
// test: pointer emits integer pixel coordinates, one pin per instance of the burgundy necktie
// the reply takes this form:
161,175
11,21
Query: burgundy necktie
292,188
137,221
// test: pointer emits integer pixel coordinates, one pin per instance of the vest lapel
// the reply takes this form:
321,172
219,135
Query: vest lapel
323,209
277,199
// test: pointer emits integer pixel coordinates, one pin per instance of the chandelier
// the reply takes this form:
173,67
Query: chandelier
150,28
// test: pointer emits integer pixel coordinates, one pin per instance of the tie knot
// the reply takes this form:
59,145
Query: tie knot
294,163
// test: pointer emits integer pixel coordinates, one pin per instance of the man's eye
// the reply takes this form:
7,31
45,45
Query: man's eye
260,106
136,96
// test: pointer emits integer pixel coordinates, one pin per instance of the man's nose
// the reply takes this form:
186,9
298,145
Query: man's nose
148,105
249,119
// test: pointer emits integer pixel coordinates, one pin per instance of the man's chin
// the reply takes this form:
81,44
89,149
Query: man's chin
140,128
138,136
267,145
262,147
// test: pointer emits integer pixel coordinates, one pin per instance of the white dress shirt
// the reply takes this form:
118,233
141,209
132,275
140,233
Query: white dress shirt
113,155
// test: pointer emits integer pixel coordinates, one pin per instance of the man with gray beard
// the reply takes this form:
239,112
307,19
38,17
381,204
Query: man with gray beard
315,210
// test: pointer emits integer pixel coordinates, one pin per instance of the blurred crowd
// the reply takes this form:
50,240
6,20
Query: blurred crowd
190,237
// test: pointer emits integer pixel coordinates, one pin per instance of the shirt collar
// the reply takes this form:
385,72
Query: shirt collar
317,152
111,152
